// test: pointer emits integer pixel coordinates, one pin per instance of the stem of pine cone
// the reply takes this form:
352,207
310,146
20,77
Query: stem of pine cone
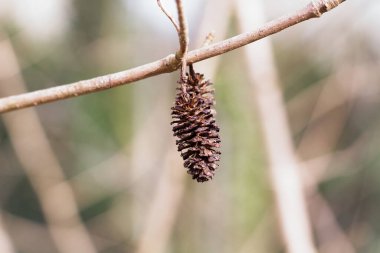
183,38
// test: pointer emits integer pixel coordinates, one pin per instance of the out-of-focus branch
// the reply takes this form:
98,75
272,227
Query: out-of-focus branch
28,236
6,245
164,206
347,84
165,65
331,236
41,166
283,163
262,237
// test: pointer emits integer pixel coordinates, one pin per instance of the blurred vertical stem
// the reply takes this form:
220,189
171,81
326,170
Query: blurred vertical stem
284,167
6,245
164,206
337,90
41,166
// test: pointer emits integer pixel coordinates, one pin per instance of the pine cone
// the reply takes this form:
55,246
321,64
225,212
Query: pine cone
194,126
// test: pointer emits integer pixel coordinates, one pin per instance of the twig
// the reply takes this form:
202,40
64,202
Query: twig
165,65
182,32
170,17
183,38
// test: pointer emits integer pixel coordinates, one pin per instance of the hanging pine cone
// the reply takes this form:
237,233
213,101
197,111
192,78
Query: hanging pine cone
194,126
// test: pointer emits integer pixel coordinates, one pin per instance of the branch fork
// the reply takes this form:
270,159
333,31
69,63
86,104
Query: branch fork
182,31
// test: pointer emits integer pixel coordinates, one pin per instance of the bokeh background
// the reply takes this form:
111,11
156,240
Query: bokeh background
100,173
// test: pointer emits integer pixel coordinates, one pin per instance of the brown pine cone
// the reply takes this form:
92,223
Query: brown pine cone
194,126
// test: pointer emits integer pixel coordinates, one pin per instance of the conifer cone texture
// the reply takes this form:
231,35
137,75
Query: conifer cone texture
195,127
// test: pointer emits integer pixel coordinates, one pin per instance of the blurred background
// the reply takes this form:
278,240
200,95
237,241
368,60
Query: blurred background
100,173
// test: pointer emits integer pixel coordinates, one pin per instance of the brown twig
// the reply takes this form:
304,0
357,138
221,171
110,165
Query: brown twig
183,36
170,17
182,32
165,65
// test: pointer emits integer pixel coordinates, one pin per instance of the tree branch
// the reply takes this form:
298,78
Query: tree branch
165,65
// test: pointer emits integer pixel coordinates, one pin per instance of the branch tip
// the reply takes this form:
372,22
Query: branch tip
322,6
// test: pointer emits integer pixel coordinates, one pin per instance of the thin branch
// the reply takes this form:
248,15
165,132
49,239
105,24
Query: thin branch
183,36
165,65
182,32
170,17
